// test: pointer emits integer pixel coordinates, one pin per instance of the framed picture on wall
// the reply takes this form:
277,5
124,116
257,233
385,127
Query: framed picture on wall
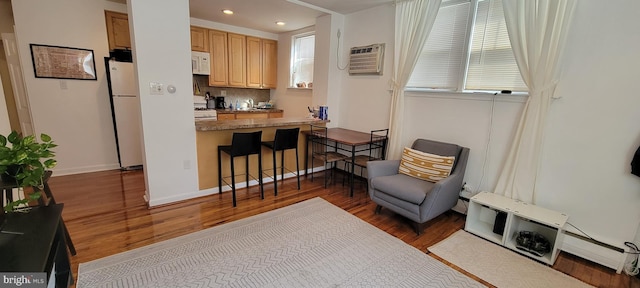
63,62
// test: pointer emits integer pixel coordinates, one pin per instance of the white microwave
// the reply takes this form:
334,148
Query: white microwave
200,63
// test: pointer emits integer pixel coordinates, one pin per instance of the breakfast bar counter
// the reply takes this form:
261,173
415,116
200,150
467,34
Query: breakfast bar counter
210,134
216,125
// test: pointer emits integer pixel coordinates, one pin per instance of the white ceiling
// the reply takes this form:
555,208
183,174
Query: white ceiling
263,14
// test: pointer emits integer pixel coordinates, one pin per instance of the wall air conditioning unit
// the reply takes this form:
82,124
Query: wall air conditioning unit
366,60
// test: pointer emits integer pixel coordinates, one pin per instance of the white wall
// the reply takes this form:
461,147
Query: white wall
293,101
78,118
366,95
167,119
593,130
327,78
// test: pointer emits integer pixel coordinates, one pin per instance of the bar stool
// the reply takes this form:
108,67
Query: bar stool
242,144
285,139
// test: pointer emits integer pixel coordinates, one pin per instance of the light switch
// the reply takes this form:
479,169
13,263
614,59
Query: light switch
155,88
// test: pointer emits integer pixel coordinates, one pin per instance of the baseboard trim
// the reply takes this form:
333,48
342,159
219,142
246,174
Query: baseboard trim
85,169
604,254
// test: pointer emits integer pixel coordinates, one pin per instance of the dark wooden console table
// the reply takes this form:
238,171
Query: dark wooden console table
6,190
34,241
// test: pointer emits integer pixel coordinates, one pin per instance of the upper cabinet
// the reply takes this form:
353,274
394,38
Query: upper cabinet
269,64
254,62
242,61
261,63
117,30
237,54
199,39
219,62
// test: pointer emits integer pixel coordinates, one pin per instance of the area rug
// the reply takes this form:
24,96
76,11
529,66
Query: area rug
498,265
309,244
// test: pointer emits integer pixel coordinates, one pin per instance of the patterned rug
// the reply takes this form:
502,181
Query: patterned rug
498,265
309,244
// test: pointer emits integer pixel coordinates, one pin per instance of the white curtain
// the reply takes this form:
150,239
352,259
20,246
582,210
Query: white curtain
537,31
414,20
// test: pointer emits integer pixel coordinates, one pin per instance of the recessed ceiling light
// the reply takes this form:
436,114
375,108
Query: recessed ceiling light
280,23
227,11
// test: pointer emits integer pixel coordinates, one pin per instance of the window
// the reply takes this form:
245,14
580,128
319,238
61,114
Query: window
302,60
468,49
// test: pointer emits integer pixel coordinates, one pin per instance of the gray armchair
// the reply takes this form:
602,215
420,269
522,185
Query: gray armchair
416,199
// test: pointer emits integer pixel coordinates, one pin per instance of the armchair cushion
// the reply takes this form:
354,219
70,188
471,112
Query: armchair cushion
425,166
413,190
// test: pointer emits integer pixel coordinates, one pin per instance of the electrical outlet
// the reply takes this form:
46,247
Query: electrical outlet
223,92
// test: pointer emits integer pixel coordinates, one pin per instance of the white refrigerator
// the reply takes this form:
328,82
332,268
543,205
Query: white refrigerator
125,104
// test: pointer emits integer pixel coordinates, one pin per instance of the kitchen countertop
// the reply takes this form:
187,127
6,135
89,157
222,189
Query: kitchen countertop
229,111
217,125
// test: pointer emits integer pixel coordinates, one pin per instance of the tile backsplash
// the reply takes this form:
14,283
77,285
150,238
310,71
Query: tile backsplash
242,95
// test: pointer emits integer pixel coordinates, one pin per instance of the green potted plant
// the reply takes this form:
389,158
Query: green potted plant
24,163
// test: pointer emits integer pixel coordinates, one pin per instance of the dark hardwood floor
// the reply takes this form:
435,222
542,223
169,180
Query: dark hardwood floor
106,214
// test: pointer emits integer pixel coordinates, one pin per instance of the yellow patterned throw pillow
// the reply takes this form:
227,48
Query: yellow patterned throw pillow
425,166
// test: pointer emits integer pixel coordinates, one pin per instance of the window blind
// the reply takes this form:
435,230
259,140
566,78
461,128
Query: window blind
442,61
492,65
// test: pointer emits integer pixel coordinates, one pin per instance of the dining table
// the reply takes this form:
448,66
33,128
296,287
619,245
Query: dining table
349,141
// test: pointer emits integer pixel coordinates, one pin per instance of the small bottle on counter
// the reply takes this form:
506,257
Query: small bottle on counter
237,105
230,106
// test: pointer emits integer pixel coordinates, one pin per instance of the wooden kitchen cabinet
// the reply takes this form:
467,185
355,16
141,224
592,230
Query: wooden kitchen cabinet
262,58
219,63
199,39
269,64
254,62
252,115
117,30
226,116
237,53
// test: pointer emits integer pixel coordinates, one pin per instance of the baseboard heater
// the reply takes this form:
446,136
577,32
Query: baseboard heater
599,252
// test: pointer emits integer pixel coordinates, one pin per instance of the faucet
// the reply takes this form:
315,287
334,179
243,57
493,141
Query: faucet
250,101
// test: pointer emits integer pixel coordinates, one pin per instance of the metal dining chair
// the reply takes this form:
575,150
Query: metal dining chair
320,149
377,151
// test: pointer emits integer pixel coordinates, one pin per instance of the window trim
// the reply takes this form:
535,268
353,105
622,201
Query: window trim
425,91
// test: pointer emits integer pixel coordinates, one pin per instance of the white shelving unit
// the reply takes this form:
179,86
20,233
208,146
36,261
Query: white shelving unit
521,216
